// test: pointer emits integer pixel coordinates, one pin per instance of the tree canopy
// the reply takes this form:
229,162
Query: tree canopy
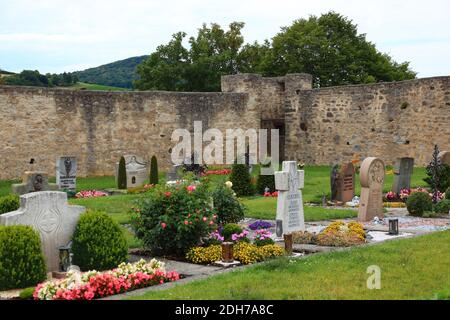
328,47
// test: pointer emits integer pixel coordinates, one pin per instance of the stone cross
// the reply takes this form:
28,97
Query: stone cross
66,173
403,170
372,178
50,215
33,181
290,216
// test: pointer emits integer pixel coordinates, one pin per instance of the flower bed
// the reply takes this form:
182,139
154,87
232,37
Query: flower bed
273,194
221,172
337,234
93,284
90,194
260,224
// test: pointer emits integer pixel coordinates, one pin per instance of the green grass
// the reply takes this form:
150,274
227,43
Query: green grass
93,86
416,268
265,208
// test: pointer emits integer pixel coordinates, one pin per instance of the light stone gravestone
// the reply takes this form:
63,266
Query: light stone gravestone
33,181
290,216
66,173
444,157
173,175
137,171
403,170
50,215
372,177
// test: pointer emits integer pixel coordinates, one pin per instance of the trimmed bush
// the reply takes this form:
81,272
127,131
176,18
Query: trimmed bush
229,208
442,206
154,171
418,203
240,177
122,175
21,260
229,229
98,242
447,193
9,203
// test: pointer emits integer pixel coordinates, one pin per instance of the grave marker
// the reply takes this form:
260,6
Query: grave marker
137,171
290,216
66,173
50,215
343,183
372,178
403,170
33,181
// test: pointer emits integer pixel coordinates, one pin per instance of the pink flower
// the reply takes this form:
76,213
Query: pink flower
275,194
191,188
267,194
163,225
186,222
168,194
205,219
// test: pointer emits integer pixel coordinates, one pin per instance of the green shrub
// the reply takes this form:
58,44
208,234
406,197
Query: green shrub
418,203
264,181
98,242
27,293
442,206
154,171
443,177
229,208
447,193
21,260
9,203
122,175
172,219
229,229
240,177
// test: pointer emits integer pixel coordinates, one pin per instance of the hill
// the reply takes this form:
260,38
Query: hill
116,74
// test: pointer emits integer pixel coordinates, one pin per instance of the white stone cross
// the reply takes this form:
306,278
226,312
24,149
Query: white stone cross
50,215
290,204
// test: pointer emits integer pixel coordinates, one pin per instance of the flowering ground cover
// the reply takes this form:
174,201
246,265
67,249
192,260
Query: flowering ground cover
93,284
410,269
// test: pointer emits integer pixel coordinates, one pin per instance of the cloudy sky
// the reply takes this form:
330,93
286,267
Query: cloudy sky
57,35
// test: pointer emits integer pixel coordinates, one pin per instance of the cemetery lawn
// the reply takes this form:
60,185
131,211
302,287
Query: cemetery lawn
414,268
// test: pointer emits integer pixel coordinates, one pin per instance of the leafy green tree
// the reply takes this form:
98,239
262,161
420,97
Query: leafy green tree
330,48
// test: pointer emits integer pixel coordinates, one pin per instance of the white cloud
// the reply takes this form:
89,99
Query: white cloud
56,35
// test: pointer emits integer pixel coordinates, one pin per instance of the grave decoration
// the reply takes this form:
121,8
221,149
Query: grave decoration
33,181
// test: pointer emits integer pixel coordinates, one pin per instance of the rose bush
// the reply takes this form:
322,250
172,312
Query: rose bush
172,219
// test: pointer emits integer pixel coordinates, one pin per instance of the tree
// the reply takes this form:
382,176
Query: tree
154,171
213,52
122,175
330,48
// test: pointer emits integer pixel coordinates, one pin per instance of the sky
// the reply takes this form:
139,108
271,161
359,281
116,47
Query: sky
55,35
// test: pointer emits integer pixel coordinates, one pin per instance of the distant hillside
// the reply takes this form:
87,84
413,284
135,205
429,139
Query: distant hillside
116,74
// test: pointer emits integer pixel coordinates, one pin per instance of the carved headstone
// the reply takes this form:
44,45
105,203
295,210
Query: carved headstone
372,177
290,216
444,157
403,170
343,183
50,215
33,181
66,173
137,171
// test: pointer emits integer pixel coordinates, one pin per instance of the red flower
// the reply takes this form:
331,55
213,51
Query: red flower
168,194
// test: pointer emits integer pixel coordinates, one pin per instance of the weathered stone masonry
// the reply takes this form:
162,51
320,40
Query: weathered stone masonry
318,126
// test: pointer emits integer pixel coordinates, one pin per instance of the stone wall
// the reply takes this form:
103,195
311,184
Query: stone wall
317,126
98,127
387,120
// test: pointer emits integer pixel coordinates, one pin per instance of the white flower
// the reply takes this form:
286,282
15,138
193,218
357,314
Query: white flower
229,184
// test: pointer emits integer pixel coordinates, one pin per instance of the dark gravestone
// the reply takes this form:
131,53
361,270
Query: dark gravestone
403,170
342,183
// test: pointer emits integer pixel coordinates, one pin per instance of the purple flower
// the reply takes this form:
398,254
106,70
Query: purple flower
260,224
